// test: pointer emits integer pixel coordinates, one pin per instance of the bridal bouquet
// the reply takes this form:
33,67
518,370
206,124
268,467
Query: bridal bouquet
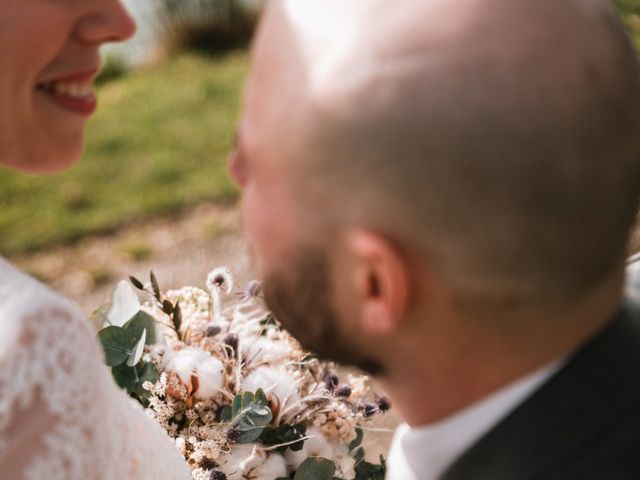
236,392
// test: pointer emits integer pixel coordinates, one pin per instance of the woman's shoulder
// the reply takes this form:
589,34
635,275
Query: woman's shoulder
28,306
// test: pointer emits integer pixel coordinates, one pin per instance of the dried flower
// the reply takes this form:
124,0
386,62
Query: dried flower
331,381
212,330
252,290
217,475
220,279
384,405
342,391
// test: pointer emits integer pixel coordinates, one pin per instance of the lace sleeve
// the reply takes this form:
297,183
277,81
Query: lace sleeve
61,415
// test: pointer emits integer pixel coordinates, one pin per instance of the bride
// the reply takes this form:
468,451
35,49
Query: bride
61,415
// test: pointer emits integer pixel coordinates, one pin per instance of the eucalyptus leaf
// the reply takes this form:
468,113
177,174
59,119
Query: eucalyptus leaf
247,399
356,442
135,357
132,378
236,405
315,468
117,343
124,304
139,323
225,414
251,421
261,397
370,471
249,435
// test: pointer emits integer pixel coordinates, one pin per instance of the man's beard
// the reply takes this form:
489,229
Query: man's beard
299,297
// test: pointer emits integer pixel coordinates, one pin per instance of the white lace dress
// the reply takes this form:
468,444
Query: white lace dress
61,415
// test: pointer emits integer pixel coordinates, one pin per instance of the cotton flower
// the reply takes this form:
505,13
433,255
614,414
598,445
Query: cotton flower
265,350
251,461
190,362
272,380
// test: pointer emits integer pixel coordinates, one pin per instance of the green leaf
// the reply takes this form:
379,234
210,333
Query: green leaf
135,357
136,283
261,397
356,442
236,406
225,414
117,343
132,378
251,422
369,471
359,454
315,468
167,307
140,322
247,399
155,286
177,317
285,434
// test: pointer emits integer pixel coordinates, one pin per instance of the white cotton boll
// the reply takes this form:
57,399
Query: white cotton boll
318,445
183,362
242,459
272,380
124,304
210,375
345,463
295,459
273,468
265,350
194,361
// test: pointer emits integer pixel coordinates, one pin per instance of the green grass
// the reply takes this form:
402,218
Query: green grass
630,10
158,143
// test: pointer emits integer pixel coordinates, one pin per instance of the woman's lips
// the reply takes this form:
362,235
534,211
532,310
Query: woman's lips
74,93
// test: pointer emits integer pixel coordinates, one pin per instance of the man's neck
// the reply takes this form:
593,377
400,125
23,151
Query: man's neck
428,383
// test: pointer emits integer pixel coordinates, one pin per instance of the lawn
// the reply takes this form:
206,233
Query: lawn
158,143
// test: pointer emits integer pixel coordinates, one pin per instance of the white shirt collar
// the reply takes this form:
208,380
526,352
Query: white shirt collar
425,453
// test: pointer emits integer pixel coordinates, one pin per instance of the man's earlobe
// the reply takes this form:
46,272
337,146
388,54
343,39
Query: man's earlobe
383,282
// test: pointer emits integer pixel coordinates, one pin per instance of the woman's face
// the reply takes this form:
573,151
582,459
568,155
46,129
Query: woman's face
48,60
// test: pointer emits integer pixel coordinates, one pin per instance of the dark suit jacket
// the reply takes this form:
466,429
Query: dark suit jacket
583,424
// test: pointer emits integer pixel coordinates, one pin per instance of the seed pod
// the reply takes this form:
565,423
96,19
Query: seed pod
212,330
342,391
331,381
217,474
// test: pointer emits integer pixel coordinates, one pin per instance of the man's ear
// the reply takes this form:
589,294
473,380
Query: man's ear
382,282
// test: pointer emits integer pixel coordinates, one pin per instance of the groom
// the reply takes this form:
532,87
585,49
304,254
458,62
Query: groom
441,192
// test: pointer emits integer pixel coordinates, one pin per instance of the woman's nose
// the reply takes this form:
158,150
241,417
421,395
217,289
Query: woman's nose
105,21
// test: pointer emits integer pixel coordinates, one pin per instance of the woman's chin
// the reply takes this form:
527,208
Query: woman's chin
43,161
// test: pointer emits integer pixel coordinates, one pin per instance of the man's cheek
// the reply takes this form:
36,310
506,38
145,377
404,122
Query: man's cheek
261,231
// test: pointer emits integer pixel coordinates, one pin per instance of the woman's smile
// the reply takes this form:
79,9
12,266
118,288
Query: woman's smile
73,92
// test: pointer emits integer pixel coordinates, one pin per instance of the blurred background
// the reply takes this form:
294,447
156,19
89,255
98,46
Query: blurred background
152,191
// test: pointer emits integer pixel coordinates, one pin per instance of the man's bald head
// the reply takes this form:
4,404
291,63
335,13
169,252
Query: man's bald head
498,138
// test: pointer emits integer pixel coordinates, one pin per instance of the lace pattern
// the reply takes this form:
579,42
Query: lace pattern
51,368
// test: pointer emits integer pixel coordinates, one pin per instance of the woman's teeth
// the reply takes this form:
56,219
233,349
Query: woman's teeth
70,89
